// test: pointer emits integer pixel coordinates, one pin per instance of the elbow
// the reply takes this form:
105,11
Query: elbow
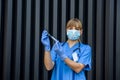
77,70
48,68
48,65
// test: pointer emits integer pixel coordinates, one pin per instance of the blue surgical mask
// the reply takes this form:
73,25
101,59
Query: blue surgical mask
73,34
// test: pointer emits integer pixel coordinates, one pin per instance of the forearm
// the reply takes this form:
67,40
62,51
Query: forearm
48,61
77,67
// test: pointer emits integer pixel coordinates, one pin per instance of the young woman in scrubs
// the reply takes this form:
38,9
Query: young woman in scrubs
69,60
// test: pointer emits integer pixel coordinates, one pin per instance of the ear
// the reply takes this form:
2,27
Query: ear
81,31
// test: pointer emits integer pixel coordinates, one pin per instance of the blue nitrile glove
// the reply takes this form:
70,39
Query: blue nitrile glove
45,40
59,50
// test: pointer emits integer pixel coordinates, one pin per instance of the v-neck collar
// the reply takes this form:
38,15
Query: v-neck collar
72,46
69,50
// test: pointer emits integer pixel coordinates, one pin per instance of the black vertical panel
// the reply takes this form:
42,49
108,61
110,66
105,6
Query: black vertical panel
32,41
0,38
100,40
67,9
77,9
27,40
50,15
55,17
117,40
22,56
90,21
46,14
0,18
90,33
63,20
109,39
18,40
72,8
41,64
7,40
36,45
81,10
13,46
85,17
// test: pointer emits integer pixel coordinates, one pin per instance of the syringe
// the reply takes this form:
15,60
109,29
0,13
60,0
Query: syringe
53,38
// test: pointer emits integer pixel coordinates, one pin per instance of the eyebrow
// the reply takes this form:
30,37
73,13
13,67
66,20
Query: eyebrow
72,27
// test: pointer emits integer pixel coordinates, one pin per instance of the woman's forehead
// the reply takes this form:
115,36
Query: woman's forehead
73,27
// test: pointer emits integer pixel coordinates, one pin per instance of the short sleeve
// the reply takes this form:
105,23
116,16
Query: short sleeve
85,58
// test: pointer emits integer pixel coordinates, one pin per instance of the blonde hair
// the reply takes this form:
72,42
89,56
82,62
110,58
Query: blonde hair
74,22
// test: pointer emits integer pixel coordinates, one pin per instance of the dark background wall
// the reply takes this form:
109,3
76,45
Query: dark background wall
21,24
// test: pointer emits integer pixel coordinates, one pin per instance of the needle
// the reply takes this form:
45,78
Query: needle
53,38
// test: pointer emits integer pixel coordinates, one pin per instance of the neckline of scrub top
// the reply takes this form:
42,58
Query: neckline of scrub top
73,45
76,45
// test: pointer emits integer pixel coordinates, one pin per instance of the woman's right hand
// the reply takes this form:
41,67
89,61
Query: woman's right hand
45,40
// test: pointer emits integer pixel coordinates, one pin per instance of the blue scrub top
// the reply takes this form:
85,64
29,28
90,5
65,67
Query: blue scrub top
62,71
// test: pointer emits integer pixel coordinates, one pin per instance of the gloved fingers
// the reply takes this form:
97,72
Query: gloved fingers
44,35
45,39
57,46
59,50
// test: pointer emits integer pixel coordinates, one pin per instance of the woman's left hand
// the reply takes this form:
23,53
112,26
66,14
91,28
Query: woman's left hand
59,50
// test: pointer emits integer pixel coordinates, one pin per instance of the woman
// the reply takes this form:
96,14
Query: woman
69,59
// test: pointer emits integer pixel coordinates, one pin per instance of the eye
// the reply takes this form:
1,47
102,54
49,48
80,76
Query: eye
70,28
77,28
